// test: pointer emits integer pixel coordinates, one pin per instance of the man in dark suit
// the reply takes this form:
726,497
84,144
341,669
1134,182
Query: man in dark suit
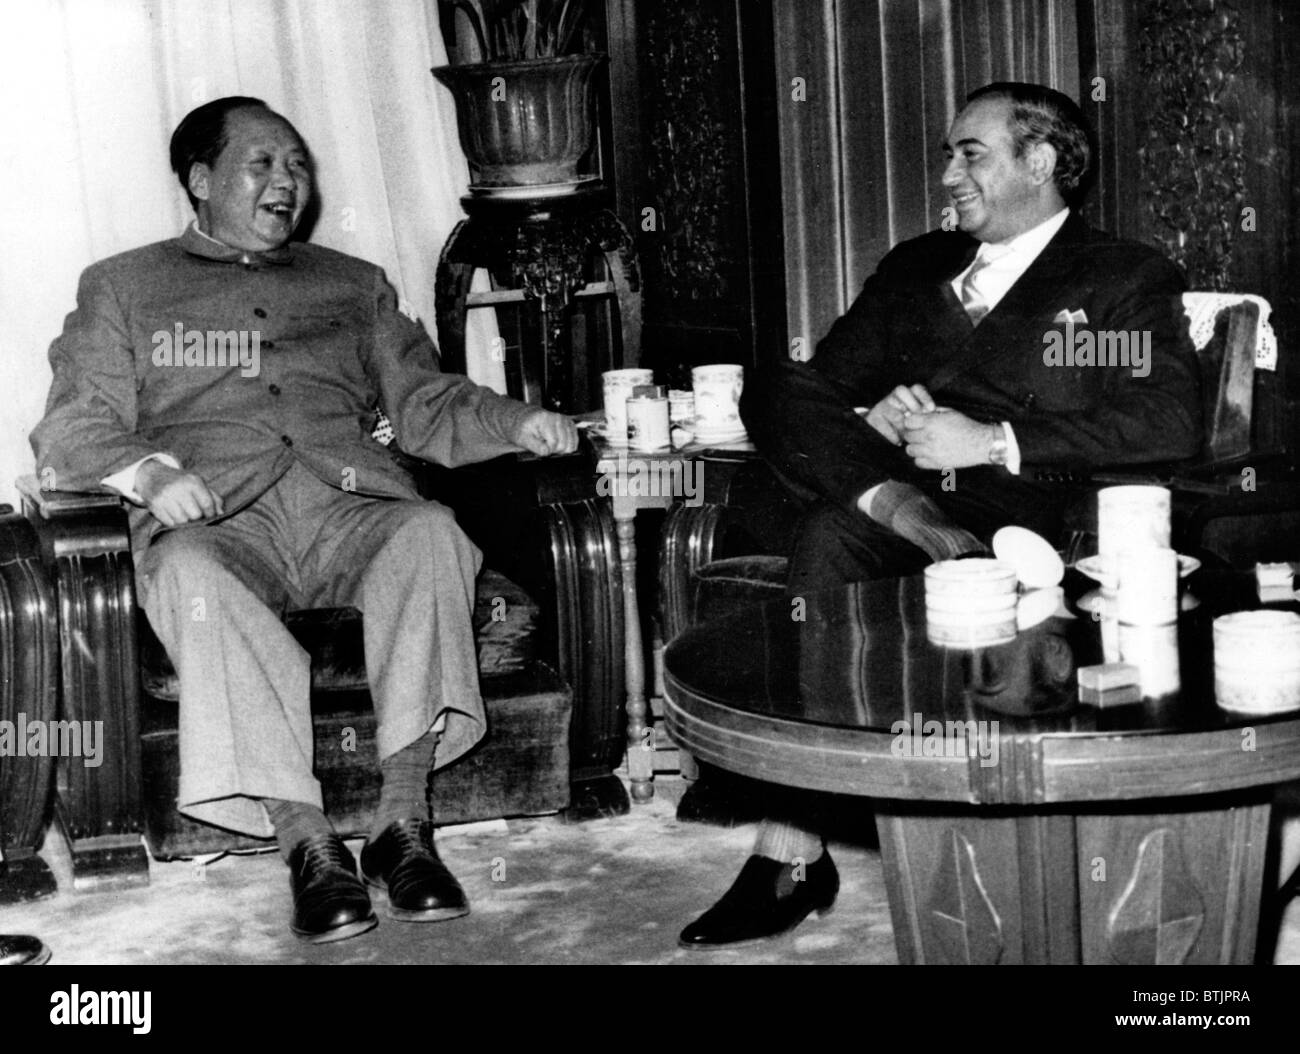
980,375
227,383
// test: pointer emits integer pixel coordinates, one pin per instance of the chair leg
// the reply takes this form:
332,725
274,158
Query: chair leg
689,767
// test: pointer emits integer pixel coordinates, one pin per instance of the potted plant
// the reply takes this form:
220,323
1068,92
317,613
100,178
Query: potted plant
523,108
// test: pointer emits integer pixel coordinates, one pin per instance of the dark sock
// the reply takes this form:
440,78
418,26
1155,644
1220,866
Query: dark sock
786,842
911,515
294,822
405,793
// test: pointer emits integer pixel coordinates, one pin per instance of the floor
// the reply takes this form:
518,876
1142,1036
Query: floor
609,892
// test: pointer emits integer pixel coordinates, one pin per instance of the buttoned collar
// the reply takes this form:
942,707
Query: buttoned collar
195,242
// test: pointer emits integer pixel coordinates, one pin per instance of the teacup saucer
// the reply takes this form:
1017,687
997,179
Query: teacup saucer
730,435
1095,568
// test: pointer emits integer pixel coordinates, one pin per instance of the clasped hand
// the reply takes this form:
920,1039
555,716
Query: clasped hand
934,437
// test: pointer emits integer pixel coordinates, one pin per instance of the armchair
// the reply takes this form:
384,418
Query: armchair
732,549
1237,503
544,658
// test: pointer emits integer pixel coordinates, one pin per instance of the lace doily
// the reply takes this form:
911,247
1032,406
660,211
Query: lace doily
1203,308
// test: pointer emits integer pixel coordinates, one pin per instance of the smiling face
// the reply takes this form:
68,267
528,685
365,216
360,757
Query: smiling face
996,194
254,194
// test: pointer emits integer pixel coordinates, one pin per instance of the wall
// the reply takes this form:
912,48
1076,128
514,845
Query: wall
866,91
92,90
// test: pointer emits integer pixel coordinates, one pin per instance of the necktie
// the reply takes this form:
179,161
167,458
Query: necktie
974,301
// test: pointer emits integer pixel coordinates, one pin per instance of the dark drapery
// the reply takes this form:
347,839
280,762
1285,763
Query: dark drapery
866,92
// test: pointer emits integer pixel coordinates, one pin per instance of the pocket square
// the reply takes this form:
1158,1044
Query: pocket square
1072,318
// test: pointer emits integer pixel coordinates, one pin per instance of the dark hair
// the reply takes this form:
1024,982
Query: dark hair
201,136
1043,115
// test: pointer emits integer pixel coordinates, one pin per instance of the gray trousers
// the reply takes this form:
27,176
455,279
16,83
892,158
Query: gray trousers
215,595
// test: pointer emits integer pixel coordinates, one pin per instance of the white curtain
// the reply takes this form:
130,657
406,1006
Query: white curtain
92,90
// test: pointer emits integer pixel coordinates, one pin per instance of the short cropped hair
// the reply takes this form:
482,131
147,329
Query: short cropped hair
1043,115
201,136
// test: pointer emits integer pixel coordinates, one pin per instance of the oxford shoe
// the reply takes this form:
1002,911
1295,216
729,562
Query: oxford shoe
767,898
403,862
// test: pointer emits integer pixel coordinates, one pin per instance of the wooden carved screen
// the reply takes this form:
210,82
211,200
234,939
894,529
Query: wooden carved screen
866,90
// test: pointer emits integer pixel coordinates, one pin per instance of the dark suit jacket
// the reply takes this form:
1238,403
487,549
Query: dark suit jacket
908,327
332,346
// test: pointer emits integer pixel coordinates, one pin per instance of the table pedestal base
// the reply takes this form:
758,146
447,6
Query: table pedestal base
1139,883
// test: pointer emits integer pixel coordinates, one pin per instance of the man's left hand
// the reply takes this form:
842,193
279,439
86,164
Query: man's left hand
544,433
946,439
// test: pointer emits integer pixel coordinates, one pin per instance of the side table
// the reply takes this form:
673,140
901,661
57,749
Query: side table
543,249
635,480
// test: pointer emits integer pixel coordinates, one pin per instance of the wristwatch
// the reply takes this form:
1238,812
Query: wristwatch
998,447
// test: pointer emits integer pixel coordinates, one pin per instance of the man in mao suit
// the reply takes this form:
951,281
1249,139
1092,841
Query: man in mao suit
258,488
937,410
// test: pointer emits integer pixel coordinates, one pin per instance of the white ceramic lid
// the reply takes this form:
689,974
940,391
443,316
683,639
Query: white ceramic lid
1037,564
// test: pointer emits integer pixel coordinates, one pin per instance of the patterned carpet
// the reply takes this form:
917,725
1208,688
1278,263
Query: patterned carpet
611,891
605,892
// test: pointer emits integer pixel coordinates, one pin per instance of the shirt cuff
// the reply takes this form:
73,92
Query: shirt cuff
864,502
124,481
1013,449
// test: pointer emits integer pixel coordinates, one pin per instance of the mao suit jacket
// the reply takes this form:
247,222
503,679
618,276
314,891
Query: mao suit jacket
331,344
907,326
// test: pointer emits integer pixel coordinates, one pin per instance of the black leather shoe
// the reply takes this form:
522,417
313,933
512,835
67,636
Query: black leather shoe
404,862
329,901
17,949
765,900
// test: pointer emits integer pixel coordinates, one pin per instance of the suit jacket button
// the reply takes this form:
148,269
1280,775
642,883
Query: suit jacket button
268,344
260,312
286,441
274,389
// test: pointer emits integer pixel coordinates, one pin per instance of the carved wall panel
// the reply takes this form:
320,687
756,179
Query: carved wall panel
688,152
1192,146
694,126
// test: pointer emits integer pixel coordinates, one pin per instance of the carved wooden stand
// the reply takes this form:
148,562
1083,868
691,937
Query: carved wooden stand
543,250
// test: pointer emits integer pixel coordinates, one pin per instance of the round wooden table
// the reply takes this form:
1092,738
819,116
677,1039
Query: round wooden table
1016,825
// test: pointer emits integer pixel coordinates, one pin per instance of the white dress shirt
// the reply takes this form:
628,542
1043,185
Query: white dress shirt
1007,261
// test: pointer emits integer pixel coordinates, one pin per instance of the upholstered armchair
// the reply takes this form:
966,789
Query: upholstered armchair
547,621
1238,502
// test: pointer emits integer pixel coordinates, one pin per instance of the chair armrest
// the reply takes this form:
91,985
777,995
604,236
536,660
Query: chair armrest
745,511
74,522
51,503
